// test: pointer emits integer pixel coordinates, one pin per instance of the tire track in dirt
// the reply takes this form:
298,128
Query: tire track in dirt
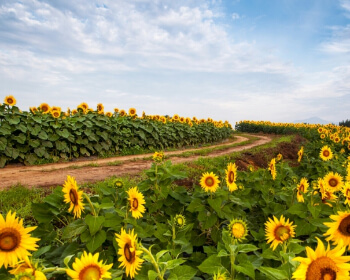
55,174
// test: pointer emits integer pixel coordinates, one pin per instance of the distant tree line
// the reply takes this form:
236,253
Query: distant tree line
345,123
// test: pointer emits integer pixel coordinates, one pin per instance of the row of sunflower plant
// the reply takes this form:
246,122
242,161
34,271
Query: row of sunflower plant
47,133
277,223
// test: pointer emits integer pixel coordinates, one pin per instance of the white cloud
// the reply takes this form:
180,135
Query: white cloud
235,16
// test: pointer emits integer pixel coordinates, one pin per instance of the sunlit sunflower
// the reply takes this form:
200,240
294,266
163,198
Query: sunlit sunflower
326,195
45,108
100,108
109,114
74,111
278,231
272,168
122,113
326,153
302,188
89,268
129,255
84,106
116,110
238,229
158,156
176,117
34,110
339,230
118,183
10,100
300,153
279,157
231,176
180,220
15,240
346,192
25,269
136,200
132,112
322,136
219,276
209,182
73,196
333,182
348,171
323,264
55,113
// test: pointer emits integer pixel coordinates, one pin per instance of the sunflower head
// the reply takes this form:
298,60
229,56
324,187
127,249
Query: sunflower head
158,157
302,188
326,153
279,157
119,183
129,255
219,276
132,112
88,267
10,100
180,220
109,114
272,168
209,182
238,229
15,240
339,230
231,176
136,201
73,196
100,107
323,263
122,113
45,108
333,182
55,113
33,110
300,153
278,231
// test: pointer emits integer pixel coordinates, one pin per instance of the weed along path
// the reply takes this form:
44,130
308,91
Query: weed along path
98,169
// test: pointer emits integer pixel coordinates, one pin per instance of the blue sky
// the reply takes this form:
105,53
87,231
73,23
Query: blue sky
277,60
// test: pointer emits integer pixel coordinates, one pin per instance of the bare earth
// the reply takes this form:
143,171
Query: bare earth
55,174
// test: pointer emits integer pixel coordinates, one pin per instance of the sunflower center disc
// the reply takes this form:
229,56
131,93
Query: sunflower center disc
10,100
333,182
8,241
91,272
231,177
180,221
282,233
238,230
130,256
302,188
209,182
73,196
135,203
322,268
326,153
344,226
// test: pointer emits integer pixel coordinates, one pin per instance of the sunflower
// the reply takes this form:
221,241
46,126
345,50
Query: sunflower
272,168
300,153
279,157
231,176
109,114
180,220
326,153
323,264
238,229
122,113
136,200
45,108
129,255
74,111
132,112
116,110
158,157
55,113
15,240
339,229
219,276
73,196
176,117
10,100
209,182
88,267
325,194
27,270
301,189
84,106
118,183
278,231
100,108
346,192
333,182
33,110
322,136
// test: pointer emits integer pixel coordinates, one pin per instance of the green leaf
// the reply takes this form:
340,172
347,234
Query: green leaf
40,152
41,213
273,273
11,152
41,251
14,120
2,161
21,138
3,143
174,263
216,205
246,268
5,130
94,223
152,274
245,248
210,221
211,265
96,241
299,209
42,135
34,143
31,158
160,254
73,229
315,211
61,145
183,272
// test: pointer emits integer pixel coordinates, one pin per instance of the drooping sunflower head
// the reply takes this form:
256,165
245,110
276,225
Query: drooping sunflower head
73,196
136,201
132,112
238,229
100,107
231,176
109,114
33,110
74,111
129,255
180,220
209,182
346,192
300,153
84,106
339,230
302,188
324,264
88,267
10,100
333,182
27,270
326,153
272,168
278,231
44,108
15,240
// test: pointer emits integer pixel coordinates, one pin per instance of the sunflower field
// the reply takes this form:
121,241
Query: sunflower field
47,134
281,222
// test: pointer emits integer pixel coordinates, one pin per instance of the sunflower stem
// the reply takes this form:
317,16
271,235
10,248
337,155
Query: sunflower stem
233,259
93,211
54,269
155,264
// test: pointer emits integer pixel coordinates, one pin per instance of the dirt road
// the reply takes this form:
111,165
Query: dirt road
55,174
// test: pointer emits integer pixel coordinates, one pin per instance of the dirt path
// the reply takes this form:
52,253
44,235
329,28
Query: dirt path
55,174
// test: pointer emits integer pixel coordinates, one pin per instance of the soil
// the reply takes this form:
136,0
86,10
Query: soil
93,170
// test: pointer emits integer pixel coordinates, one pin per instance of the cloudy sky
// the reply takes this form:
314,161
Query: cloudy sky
277,60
